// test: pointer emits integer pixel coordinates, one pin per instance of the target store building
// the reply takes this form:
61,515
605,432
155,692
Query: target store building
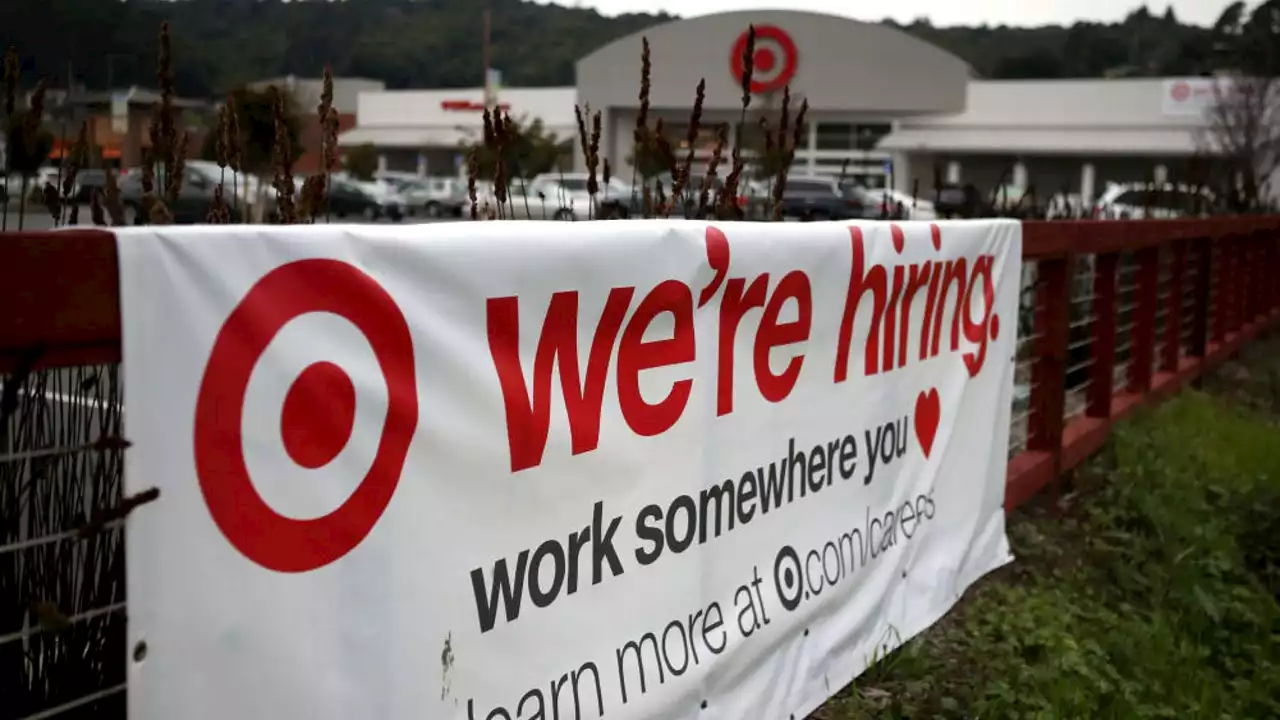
887,107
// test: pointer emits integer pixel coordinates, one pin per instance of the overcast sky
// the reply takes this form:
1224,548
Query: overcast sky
939,12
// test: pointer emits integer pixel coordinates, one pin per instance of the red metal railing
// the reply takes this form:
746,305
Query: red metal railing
1114,314
1126,312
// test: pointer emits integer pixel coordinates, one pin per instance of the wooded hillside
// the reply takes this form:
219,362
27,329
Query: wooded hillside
223,43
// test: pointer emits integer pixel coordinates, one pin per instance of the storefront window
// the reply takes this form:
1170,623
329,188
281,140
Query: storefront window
678,136
851,136
835,136
868,135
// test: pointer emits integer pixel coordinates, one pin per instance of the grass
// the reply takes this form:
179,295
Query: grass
1153,591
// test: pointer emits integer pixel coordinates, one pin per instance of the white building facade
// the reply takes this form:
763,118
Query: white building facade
428,130
883,107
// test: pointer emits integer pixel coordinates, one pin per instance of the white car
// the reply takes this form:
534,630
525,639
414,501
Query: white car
1141,201
435,196
566,198
914,208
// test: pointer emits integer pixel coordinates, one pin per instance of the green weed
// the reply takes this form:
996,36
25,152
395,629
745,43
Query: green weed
1155,594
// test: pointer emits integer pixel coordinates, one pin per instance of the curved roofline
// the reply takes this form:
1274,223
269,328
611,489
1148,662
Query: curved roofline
879,27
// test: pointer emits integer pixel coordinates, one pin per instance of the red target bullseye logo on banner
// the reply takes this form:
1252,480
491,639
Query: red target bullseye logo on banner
317,417
773,62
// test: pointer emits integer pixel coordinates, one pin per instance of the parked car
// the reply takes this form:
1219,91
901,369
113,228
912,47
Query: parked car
566,197
191,207
87,181
1065,206
822,198
11,187
434,196
348,198
689,207
910,207
953,200
886,204
1138,201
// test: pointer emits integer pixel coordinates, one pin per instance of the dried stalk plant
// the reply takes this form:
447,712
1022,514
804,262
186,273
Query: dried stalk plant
727,206
282,159
79,160
709,180
498,130
473,171
233,141
328,117
218,212
111,199
641,135
160,176
593,163
681,178
28,136
12,74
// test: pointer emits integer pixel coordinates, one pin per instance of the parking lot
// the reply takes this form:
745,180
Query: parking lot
40,219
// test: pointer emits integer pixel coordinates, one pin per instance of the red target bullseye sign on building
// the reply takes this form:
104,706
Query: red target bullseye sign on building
773,62
316,420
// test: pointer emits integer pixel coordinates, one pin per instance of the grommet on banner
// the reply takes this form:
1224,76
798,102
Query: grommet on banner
704,704
140,651
806,632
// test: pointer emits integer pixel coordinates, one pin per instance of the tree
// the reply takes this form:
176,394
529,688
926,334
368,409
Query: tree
1244,121
27,146
227,43
528,150
1031,65
770,149
255,111
361,162
655,156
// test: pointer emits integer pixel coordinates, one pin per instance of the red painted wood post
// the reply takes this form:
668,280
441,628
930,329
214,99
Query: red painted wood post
1257,277
1270,266
1235,275
1147,294
1262,276
1049,371
1171,352
1105,301
1240,286
1251,278
1202,292
1220,297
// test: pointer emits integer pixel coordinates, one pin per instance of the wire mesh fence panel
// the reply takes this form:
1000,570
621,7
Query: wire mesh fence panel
1126,304
1024,356
62,580
1190,291
1080,346
1163,315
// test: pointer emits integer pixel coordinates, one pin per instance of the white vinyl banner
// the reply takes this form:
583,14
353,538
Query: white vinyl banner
488,471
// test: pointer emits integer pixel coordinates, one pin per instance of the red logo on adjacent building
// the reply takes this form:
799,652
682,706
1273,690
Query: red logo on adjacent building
1180,91
773,62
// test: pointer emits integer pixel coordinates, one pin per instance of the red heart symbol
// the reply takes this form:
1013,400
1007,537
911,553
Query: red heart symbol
935,233
899,239
928,412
